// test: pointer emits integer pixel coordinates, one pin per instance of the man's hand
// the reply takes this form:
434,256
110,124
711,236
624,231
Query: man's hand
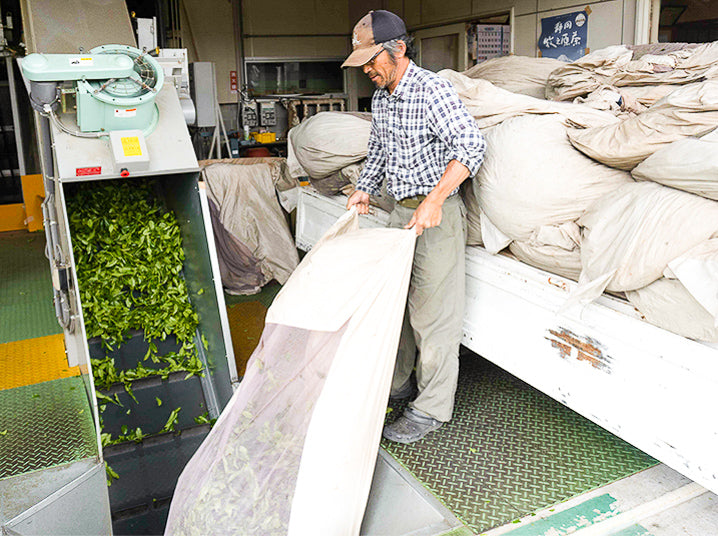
426,215
360,200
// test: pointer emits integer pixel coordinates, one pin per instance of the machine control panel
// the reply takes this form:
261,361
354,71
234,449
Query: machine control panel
269,115
249,114
129,151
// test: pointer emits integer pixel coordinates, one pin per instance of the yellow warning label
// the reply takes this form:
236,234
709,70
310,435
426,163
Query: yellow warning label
131,146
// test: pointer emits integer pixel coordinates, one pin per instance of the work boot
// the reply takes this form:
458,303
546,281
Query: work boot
412,426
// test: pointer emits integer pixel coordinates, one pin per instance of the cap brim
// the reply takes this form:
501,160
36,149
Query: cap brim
360,56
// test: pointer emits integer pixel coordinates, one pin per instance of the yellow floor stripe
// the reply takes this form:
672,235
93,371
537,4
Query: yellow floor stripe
246,323
33,361
12,217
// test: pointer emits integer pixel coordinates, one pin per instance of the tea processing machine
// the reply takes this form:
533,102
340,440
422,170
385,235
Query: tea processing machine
106,114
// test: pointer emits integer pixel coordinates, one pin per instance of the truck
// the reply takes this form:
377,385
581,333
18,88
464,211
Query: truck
647,386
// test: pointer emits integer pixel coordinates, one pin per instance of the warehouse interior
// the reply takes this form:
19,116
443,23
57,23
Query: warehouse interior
137,268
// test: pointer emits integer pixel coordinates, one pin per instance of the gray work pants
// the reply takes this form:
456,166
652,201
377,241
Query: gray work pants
434,311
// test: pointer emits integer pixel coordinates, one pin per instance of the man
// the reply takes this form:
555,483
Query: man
426,143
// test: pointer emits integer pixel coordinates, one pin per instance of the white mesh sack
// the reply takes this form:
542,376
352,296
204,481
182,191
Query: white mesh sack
630,236
294,450
690,164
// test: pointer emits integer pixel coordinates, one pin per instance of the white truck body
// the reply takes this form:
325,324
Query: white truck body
652,388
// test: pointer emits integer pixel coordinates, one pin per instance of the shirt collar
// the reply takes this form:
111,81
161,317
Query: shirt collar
407,80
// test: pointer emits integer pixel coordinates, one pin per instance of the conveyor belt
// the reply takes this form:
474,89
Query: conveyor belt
511,450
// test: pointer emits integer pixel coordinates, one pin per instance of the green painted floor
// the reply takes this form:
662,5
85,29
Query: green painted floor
26,307
511,450
44,425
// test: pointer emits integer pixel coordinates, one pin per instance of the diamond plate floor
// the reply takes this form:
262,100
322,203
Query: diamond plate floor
34,361
26,307
45,425
511,450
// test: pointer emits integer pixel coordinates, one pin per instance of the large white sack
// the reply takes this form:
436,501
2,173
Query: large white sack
249,210
697,269
554,259
491,105
630,235
473,214
532,177
621,65
518,74
328,141
689,164
281,177
295,448
667,304
587,74
689,111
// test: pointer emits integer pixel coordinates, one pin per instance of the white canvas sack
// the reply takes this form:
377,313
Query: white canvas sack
533,178
689,111
667,304
518,74
697,269
491,105
249,210
630,236
690,164
327,142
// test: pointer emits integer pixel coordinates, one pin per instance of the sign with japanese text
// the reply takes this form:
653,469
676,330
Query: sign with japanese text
564,37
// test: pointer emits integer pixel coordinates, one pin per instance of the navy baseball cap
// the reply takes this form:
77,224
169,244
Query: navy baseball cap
374,28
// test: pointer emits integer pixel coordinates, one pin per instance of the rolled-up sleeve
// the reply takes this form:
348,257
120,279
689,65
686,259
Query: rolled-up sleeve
452,123
371,176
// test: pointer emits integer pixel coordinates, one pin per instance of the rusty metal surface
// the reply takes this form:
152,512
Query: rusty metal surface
581,348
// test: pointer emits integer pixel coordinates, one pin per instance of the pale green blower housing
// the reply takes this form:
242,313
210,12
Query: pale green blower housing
115,86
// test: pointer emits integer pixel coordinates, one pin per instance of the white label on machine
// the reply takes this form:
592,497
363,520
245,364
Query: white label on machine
79,61
125,112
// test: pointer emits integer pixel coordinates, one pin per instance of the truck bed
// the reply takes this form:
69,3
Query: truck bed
652,388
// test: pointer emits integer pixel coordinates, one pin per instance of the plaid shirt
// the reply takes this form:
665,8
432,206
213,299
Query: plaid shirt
415,132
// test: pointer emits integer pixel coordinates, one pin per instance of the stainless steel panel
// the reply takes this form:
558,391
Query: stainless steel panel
65,26
79,508
182,197
399,505
203,87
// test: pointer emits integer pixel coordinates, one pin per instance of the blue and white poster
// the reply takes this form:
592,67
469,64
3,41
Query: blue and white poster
564,37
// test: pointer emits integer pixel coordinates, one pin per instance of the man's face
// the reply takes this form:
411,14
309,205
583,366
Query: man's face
381,70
